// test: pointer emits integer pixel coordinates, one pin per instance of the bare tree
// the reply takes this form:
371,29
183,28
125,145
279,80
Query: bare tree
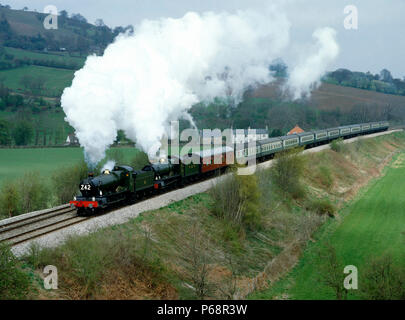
383,280
287,172
332,271
195,256
228,286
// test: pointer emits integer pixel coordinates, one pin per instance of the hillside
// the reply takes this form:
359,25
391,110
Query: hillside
25,30
368,235
331,97
328,106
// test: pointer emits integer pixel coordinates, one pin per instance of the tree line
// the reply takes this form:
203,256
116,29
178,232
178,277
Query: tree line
280,115
31,122
383,82
9,61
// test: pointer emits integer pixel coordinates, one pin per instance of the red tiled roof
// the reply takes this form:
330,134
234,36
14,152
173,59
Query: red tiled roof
296,129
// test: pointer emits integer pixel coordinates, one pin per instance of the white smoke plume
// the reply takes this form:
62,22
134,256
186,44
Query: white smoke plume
306,75
154,76
109,165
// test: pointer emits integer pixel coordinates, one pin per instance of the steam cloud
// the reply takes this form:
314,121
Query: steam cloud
145,80
109,165
307,74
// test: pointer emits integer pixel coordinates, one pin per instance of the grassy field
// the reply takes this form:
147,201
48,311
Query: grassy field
56,79
58,57
371,226
15,162
53,121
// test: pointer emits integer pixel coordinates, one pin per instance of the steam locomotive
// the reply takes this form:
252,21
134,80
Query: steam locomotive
124,184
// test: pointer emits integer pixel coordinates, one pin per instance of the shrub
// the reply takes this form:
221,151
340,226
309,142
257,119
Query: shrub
9,199
325,176
337,145
236,199
383,280
34,193
287,172
34,255
249,196
89,265
322,206
268,197
66,181
226,199
26,194
14,282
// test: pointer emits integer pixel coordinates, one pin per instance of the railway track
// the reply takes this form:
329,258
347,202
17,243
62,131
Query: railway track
25,228
30,227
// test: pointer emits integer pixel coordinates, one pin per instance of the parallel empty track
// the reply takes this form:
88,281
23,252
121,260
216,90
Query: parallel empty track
28,228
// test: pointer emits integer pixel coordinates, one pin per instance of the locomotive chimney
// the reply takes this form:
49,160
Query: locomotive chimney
91,174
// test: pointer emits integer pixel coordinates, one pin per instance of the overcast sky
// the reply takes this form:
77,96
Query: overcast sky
377,43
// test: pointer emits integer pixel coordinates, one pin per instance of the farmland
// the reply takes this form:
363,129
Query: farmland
15,162
331,97
57,69
58,57
55,79
371,226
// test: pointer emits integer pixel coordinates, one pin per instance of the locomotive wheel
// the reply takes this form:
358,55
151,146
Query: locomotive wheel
81,212
131,200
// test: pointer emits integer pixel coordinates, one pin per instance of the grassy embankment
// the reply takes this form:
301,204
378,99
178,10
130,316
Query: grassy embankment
370,227
162,252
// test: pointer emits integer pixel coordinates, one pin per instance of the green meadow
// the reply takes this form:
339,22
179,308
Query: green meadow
55,79
14,163
370,226
58,57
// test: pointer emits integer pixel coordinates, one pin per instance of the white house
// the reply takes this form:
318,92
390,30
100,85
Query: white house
248,135
71,140
238,135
